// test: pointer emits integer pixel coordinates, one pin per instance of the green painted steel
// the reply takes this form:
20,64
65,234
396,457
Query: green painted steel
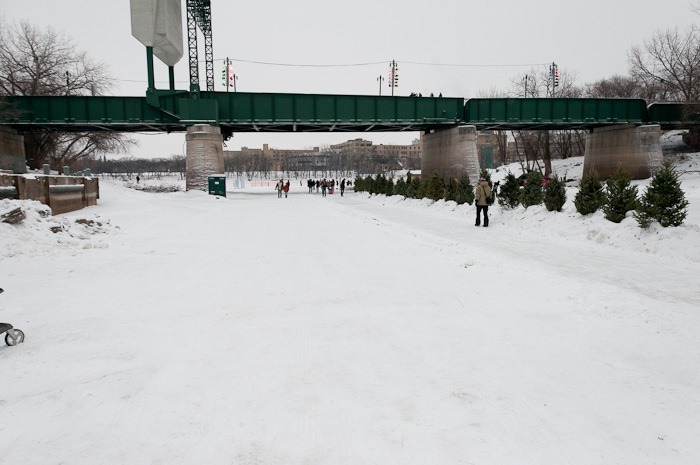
169,111
544,113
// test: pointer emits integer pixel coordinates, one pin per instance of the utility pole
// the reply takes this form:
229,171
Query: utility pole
553,77
526,78
393,76
380,79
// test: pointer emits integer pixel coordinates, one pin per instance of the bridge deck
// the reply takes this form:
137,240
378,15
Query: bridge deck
169,111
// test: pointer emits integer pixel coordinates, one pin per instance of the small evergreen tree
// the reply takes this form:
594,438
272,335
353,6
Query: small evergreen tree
359,184
486,175
413,188
368,183
509,192
555,194
389,187
465,190
400,187
590,196
451,189
664,200
531,193
620,197
435,188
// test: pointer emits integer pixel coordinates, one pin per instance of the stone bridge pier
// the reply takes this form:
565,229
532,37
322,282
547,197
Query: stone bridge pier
634,149
204,155
450,152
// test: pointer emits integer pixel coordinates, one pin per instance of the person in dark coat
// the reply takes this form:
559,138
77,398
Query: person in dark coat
342,187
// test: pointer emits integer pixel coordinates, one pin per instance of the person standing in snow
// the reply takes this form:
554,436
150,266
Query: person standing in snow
482,195
280,188
286,189
323,188
342,187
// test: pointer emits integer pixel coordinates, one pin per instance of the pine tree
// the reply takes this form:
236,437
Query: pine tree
664,200
359,184
486,175
509,192
400,187
465,190
369,184
555,194
620,197
413,188
590,196
451,190
532,191
435,188
389,187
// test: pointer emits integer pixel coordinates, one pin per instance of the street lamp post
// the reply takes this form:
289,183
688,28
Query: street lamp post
380,79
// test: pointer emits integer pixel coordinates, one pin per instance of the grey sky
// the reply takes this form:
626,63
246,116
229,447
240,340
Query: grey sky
589,38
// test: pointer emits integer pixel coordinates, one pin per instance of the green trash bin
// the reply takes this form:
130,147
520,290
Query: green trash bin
217,184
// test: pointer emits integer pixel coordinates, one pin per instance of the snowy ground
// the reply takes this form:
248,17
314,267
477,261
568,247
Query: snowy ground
181,328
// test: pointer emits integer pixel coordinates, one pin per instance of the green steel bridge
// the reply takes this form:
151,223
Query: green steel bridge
173,111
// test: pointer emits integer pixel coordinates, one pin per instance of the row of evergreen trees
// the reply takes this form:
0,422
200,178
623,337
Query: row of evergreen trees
458,190
664,200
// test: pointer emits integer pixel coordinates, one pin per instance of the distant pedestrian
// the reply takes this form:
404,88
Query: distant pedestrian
279,187
483,195
495,188
323,188
342,187
137,179
286,189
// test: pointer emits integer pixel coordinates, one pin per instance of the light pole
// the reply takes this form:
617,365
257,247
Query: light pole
380,79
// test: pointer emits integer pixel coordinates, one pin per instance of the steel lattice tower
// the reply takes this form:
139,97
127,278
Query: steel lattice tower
199,14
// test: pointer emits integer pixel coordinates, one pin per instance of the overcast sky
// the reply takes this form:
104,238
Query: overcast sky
486,44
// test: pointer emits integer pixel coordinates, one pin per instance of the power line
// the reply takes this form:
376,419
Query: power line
468,65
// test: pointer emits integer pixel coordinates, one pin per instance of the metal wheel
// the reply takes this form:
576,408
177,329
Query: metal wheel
14,337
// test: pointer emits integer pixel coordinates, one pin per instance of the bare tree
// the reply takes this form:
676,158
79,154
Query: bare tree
670,60
39,63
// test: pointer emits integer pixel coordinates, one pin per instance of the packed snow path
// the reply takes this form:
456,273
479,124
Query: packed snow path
344,330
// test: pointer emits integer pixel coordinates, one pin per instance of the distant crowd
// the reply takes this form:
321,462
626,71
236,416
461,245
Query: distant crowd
325,186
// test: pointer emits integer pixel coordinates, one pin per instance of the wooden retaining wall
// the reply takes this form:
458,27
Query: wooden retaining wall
62,193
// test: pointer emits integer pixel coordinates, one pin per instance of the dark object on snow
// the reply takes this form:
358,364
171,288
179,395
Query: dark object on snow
12,336
13,216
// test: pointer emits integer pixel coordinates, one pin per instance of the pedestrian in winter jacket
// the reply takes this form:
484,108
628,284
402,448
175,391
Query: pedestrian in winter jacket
286,189
279,187
482,196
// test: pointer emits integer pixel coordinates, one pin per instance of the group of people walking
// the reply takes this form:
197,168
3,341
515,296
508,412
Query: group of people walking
324,185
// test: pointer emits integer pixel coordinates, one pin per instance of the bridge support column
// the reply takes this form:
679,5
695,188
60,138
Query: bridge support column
205,155
12,155
634,149
450,152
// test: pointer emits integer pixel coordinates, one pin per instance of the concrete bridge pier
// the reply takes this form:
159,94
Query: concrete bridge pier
204,155
450,152
634,149
12,155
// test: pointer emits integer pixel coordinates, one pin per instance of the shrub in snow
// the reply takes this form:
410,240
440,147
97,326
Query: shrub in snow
509,192
555,194
664,200
485,174
400,187
620,197
590,196
451,190
465,190
532,191
414,189
359,184
435,187
389,187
